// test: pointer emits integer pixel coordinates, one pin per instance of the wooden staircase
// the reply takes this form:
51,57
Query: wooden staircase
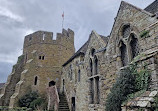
63,105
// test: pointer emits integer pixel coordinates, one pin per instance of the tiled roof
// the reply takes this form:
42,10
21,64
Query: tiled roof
83,49
153,7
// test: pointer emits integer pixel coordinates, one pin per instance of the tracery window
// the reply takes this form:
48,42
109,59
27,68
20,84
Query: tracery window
94,79
126,31
129,47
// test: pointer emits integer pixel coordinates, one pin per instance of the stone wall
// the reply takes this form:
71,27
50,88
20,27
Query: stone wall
43,59
9,87
110,59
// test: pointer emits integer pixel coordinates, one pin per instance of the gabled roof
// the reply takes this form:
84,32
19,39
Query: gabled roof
124,4
83,49
153,7
1,85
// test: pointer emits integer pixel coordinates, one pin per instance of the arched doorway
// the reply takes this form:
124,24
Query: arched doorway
51,83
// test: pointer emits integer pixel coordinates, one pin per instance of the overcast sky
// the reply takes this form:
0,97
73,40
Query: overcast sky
21,17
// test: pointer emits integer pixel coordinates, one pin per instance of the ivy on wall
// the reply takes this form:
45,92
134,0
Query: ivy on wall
144,34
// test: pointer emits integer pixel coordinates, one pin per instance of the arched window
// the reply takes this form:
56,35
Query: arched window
79,75
95,65
92,52
91,67
35,82
124,57
126,31
134,46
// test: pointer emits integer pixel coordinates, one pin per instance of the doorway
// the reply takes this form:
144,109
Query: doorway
73,104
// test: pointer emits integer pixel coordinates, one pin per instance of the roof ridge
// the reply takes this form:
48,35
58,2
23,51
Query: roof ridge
142,10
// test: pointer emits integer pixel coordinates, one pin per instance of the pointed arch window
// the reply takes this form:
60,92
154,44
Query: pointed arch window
124,57
126,31
95,65
134,46
91,67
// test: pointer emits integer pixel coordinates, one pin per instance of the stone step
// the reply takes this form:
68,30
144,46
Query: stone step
63,110
63,105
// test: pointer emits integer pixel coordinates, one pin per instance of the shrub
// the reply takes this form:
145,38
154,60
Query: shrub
26,100
36,102
129,82
124,85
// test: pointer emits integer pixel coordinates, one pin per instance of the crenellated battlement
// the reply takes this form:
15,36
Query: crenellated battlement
44,37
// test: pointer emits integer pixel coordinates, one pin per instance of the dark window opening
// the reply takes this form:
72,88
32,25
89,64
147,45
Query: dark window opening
124,57
40,57
134,46
92,52
96,65
35,82
91,67
51,83
91,91
97,90
73,104
79,75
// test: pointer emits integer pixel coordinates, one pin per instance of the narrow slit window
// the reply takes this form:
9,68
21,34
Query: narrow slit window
43,36
79,75
42,57
35,82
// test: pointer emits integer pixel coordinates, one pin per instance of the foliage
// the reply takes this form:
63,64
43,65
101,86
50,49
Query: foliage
33,100
144,34
20,58
26,100
124,85
142,79
132,96
130,81
37,102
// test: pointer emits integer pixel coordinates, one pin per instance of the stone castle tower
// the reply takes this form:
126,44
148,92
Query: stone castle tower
40,63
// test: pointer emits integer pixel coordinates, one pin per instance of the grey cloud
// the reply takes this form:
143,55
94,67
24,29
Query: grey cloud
82,16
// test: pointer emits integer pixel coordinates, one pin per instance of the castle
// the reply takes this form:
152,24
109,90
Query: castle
86,77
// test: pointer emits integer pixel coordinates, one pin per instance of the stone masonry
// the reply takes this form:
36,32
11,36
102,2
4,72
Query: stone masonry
90,73
86,77
40,63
